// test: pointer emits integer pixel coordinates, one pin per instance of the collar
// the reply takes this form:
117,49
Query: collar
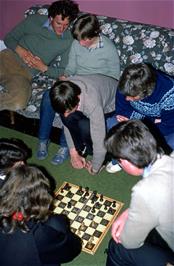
99,45
147,170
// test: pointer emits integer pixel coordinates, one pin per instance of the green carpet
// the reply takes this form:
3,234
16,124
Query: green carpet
117,186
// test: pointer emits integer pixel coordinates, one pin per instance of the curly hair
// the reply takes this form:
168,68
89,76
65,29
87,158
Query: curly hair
11,151
66,8
26,191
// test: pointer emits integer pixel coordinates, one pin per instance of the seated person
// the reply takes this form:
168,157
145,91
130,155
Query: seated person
30,234
13,152
91,53
145,93
144,233
31,48
90,98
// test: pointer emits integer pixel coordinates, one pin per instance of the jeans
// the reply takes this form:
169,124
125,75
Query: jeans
47,115
154,252
79,127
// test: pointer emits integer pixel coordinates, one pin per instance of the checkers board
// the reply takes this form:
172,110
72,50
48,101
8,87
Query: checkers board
91,214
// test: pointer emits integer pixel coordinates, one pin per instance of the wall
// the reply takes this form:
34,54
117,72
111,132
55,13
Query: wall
157,12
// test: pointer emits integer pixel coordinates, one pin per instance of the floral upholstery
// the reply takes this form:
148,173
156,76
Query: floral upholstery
135,43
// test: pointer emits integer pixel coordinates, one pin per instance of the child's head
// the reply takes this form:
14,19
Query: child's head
137,80
25,195
12,152
64,96
86,27
132,141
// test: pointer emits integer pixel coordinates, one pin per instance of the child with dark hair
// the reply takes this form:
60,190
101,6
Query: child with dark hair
144,233
13,152
30,234
92,98
146,93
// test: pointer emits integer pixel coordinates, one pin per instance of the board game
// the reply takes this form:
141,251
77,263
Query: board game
91,214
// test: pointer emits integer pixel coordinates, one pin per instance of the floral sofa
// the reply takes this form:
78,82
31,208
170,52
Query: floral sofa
135,43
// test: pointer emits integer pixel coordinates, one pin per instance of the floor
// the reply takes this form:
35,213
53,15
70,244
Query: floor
25,125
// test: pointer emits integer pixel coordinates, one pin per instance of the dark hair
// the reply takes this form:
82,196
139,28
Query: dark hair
86,26
137,80
26,191
132,140
11,151
64,96
66,8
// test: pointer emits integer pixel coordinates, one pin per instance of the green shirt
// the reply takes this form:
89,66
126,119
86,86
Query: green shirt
41,41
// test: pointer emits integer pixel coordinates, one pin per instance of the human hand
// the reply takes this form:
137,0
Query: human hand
89,168
77,161
121,118
24,54
63,77
118,226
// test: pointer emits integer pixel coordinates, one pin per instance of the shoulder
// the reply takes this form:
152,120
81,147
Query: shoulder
108,42
36,18
58,222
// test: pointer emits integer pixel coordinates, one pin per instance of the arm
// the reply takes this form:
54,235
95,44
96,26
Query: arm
12,38
118,226
55,241
72,60
113,61
142,218
98,132
122,107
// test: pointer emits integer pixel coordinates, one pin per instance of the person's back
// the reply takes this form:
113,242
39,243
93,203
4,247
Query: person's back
30,234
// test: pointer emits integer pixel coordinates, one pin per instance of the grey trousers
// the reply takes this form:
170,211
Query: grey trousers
16,81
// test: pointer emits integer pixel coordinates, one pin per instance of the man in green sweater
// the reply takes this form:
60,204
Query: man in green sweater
31,48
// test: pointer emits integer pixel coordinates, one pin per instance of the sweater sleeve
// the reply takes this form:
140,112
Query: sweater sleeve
142,218
98,132
113,62
122,107
55,72
12,38
72,60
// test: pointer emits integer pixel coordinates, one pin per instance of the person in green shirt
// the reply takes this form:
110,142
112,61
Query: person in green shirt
31,48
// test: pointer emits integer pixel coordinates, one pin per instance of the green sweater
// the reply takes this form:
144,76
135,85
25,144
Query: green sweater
103,60
41,41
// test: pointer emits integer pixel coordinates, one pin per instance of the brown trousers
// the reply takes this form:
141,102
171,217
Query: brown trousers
16,81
